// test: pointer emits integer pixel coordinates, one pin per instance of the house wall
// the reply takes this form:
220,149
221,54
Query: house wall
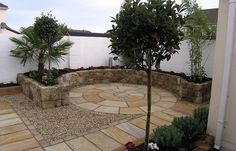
229,133
2,15
89,51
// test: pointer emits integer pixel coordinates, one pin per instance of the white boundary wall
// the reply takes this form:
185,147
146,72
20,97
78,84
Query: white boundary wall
89,51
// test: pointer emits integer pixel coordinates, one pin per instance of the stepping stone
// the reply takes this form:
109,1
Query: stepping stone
141,123
20,145
153,109
131,110
82,144
104,142
113,103
89,106
132,130
107,109
12,129
8,116
165,104
119,135
10,122
163,116
58,147
157,121
14,137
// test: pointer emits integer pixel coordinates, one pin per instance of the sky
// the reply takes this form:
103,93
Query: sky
92,15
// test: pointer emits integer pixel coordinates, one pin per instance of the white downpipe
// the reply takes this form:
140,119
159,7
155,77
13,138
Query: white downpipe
226,74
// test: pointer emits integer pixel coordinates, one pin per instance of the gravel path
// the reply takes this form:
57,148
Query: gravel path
57,123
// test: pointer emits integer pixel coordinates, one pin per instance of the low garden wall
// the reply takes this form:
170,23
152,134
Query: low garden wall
44,96
187,91
51,96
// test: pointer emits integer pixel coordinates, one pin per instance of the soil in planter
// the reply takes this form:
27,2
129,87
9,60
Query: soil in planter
186,77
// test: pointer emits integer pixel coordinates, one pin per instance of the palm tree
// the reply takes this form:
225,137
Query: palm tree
32,48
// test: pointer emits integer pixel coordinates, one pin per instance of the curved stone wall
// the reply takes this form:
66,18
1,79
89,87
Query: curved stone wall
52,96
187,91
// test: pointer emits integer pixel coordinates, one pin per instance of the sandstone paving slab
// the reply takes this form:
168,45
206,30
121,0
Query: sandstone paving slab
8,116
107,109
89,106
14,137
77,101
131,110
174,113
6,111
163,116
165,93
153,108
113,103
93,98
12,129
36,149
135,98
82,144
75,94
137,103
58,147
103,141
157,121
165,104
10,122
169,98
184,107
132,130
119,135
5,105
20,145
141,123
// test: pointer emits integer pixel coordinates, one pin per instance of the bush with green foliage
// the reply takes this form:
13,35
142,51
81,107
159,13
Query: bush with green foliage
198,32
42,43
168,138
190,127
144,34
201,114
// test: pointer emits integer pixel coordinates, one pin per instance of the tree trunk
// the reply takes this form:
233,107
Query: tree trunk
149,86
40,70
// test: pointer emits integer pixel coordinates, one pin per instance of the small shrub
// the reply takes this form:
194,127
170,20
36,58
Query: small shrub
34,74
201,114
50,80
190,127
168,137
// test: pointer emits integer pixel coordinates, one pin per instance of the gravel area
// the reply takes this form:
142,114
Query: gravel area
58,123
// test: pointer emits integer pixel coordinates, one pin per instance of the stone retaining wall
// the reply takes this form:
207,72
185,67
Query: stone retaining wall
51,96
188,91
45,96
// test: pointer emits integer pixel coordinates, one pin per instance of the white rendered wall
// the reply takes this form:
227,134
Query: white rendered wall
86,52
9,66
179,62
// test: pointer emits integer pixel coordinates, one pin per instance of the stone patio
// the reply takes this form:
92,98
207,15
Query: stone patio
16,133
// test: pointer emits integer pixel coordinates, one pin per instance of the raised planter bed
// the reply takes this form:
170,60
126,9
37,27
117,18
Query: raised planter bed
45,96
10,90
51,96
